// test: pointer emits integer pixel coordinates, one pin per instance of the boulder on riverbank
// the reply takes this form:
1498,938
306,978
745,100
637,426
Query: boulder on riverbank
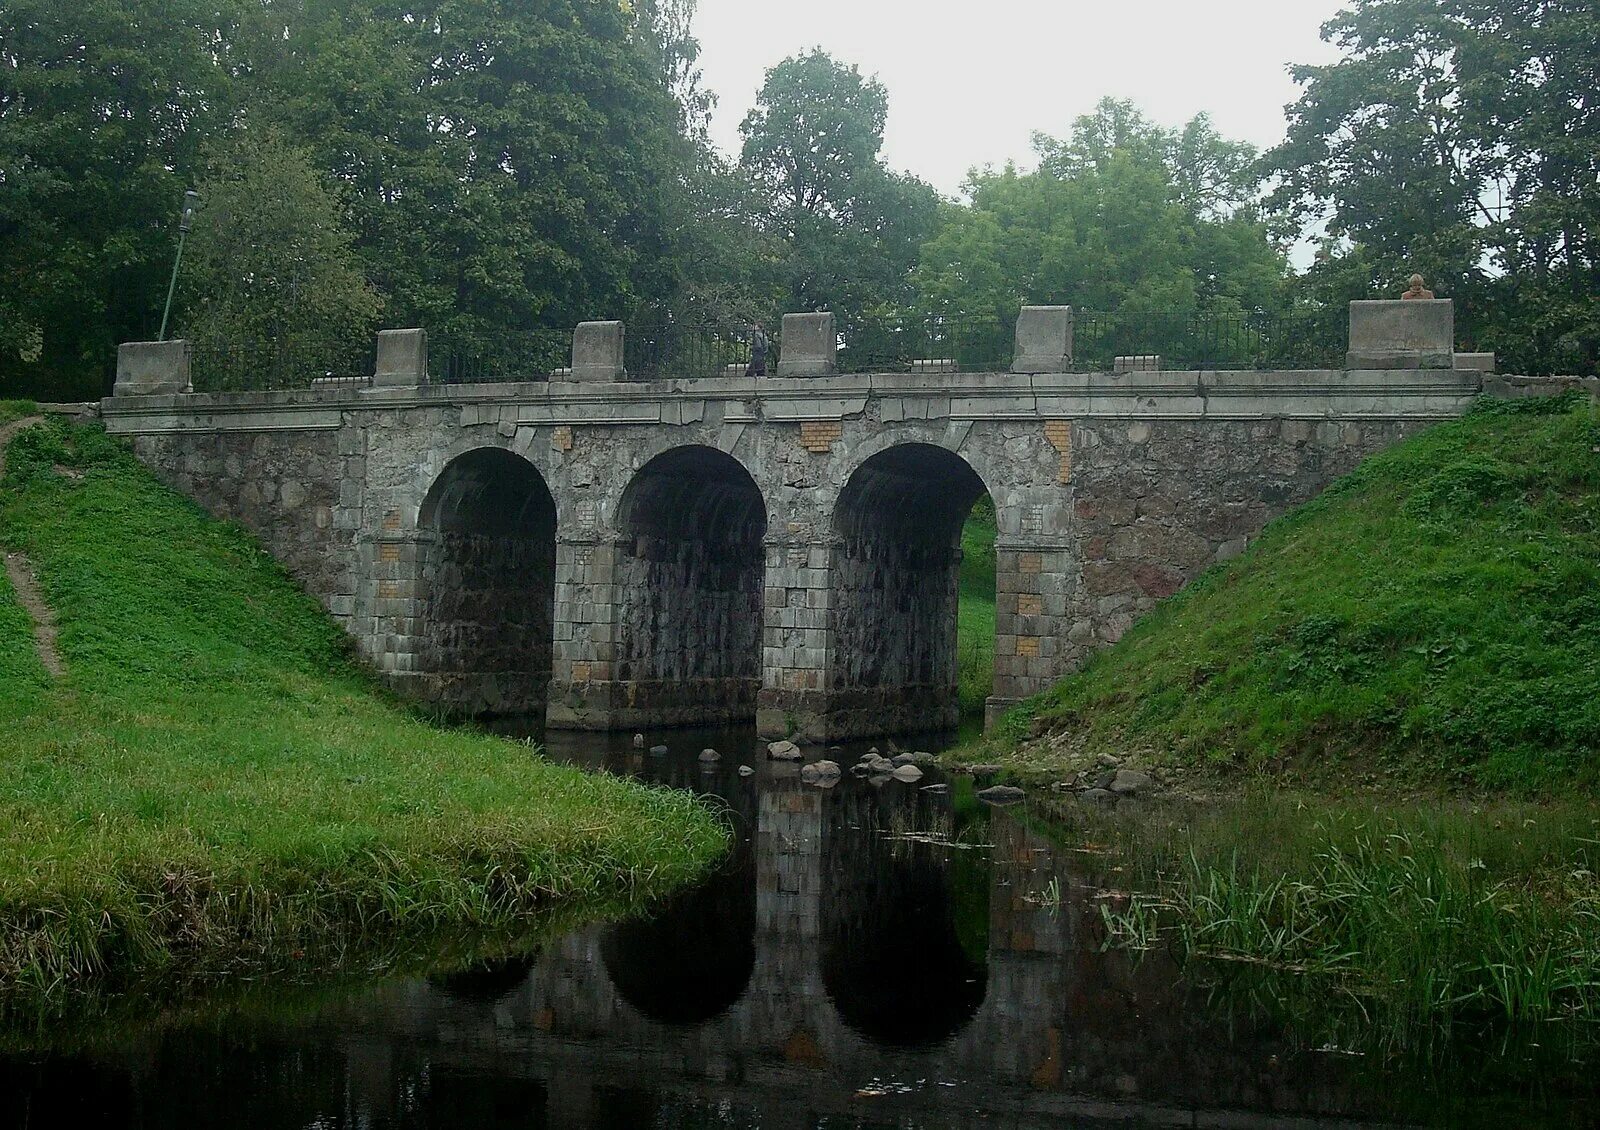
783,751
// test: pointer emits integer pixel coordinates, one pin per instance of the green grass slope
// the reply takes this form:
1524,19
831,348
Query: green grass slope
975,611
214,781
1434,615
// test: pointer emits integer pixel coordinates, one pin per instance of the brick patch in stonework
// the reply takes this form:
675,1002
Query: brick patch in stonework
1028,646
818,436
389,551
1059,433
1030,604
561,438
1030,563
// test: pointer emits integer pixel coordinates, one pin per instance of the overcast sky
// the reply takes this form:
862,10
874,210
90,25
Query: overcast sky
969,82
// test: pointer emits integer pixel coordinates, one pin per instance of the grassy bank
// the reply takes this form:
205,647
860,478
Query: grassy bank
1391,928
1431,619
213,782
975,631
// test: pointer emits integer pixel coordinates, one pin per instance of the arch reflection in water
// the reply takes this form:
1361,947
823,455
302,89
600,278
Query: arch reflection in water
691,960
896,962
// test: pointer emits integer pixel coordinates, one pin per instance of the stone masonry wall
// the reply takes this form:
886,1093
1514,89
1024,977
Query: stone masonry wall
286,487
1110,491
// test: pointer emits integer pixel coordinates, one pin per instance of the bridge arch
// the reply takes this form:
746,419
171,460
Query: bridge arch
896,565
485,584
690,567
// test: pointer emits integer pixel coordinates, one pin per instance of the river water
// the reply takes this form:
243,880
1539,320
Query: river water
876,954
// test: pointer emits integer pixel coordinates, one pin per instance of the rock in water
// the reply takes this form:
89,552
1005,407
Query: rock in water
783,751
1000,794
1129,782
908,773
638,741
1097,796
880,765
746,771
940,787
918,758
710,755
658,751
824,773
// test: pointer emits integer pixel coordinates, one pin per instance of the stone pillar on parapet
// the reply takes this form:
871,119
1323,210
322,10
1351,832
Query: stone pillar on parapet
1402,334
152,368
597,351
810,346
402,360
1044,340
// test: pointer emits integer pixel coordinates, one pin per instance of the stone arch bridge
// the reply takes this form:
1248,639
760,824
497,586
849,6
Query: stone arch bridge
626,554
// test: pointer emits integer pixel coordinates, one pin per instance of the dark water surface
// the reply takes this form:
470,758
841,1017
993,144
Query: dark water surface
875,954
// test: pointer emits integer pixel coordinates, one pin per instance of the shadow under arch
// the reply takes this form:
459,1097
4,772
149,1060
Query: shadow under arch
690,570
896,576
486,564
898,962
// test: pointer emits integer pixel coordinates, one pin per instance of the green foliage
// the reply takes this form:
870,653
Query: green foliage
1432,616
103,104
214,782
269,256
1378,929
1121,215
850,227
1458,139
976,612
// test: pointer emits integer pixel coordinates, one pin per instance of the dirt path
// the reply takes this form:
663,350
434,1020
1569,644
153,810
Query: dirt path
22,579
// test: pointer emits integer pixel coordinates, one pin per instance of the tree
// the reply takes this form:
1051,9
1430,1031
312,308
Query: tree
1121,215
1460,139
102,107
850,226
270,256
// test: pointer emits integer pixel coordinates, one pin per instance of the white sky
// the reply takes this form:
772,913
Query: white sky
969,82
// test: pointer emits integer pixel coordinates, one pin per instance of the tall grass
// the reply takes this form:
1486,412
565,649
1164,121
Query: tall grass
976,612
1403,923
213,784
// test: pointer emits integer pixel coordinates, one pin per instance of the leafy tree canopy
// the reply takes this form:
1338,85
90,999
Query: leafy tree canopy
1121,214
850,226
1459,139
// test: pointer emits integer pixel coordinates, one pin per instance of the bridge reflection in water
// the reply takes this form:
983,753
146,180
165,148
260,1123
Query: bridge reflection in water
870,954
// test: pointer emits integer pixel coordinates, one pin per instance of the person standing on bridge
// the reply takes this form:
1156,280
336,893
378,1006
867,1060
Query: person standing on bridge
758,352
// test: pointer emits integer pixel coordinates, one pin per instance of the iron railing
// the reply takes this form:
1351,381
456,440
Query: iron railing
1310,339
688,350
521,355
961,343
278,363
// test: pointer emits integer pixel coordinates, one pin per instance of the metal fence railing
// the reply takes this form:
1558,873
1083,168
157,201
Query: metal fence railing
954,343
278,363
521,355
1311,339
688,350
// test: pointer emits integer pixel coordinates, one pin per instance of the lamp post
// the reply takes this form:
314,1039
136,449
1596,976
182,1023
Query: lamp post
185,222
